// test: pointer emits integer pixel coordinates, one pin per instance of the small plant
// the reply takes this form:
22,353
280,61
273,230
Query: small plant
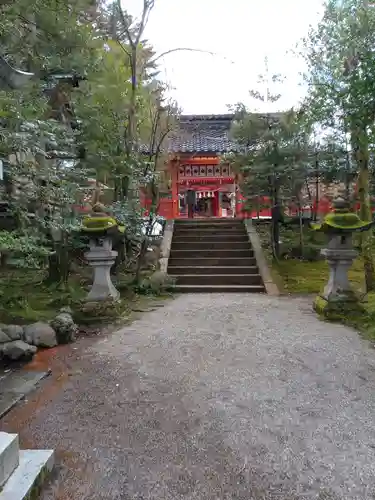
25,250
158,283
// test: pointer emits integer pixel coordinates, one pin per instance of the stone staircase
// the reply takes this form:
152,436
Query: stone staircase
213,255
22,472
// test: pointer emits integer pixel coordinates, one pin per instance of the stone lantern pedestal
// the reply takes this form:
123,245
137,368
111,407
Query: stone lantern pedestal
340,255
101,257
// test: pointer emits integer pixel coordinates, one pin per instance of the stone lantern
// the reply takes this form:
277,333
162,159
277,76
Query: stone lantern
339,226
101,230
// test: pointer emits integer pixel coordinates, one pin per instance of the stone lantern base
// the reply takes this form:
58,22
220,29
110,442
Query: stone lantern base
101,257
338,299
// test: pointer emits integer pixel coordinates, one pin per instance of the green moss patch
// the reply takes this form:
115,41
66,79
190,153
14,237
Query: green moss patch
104,312
350,308
24,298
303,272
298,276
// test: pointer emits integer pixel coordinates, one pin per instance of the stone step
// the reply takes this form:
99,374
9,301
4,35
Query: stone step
218,279
209,227
210,235
26,480
207,237
209,222
212,230
219,289
203,245
9,455
211,261
181,270
188,253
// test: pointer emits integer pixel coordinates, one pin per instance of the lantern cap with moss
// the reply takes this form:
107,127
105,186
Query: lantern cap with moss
341,220
99,223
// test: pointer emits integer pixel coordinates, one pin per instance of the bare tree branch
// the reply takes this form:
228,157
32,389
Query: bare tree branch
124,49
148,5
189,49
125,25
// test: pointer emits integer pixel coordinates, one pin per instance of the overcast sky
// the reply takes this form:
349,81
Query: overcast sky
241,33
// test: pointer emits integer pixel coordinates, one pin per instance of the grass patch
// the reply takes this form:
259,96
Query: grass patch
303,275
24,298
299,277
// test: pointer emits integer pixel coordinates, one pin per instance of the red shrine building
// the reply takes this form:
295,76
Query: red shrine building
195,152
194,163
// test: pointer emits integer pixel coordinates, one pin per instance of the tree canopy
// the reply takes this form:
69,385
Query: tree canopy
94,109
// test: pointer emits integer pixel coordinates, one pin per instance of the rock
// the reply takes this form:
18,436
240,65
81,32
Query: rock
158,282
40,334
64,327
67,310
14,332
18,349
3,337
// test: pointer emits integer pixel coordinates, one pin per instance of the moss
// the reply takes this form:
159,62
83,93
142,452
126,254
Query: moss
341,221
93,223
24,298
101,224
340,310
108,311
298,276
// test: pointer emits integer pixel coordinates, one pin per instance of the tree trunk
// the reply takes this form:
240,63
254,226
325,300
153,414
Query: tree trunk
316,188
275,218
54,275
58,266
149,228
360,150
301,242
348,176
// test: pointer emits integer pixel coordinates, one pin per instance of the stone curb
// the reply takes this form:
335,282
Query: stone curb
270,285
166,245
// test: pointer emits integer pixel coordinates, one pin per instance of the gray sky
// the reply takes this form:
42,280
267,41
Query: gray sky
242,33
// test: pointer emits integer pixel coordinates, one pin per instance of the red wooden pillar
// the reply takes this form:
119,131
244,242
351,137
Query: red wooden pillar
215,204
240,200
173,165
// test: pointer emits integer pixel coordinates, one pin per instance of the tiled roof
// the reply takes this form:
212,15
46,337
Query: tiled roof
202,134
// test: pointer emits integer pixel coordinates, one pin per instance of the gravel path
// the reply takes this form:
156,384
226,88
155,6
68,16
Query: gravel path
214,397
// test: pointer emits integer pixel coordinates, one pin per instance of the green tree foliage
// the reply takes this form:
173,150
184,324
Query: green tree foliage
273,158
59,133
47,35
341,81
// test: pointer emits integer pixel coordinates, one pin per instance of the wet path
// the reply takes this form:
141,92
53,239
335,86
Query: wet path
211,397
